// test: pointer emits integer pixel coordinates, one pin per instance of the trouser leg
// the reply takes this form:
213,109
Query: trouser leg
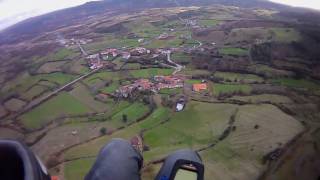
118,160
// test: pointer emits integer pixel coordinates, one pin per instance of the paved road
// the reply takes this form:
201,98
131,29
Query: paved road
177,66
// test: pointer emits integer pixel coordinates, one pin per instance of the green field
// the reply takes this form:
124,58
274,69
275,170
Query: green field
286,35
82,94
63,54
133,112
230,88
263,98
171,91
148,73
209,22
297,83
192,81
63,104
234,51
33,92
247,78
111,88
181,58
76,170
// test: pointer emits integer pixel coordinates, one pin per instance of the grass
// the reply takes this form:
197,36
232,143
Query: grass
62,54
148,73
181,57
63,104
234,51
14,104
171,91
111,88
192,81
264,98
50,67
91,80
175,42
297,83
209,22
77,169
81,93
132,66
268,71
286,35
230,88
33,92
198,125
248,78
133,112
22,84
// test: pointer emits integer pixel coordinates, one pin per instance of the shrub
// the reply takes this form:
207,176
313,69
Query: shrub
103,131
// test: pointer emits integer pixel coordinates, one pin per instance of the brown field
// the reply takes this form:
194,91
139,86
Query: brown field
14,104
3,112
50,67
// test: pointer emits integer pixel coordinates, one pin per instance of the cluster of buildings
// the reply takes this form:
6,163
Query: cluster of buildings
157,83
98,60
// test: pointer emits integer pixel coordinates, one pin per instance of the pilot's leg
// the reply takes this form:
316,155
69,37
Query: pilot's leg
117,160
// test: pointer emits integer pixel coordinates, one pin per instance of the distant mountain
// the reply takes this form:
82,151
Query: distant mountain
38,25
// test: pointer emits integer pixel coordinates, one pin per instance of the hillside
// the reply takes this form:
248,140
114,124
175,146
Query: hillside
246,74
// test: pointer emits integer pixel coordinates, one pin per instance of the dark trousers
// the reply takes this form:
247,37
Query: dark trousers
118,160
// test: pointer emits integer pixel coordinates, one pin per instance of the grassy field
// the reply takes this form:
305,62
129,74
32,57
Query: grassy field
148,73
181,58
98,77
264,98
286,35
131,66
14,104
62,54
33,92
81,93
247,78
208,22
297,83
171,91
23,83
268,71
198,125
111,88
192,81
51,67
230,88
133,112
234,51
239,155
76,170
63,104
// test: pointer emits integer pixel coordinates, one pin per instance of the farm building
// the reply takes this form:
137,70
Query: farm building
199,87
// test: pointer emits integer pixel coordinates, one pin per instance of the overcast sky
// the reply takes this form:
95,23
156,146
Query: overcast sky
13,11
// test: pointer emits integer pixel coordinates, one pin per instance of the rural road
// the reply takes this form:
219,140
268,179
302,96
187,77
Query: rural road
82,50
177,66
